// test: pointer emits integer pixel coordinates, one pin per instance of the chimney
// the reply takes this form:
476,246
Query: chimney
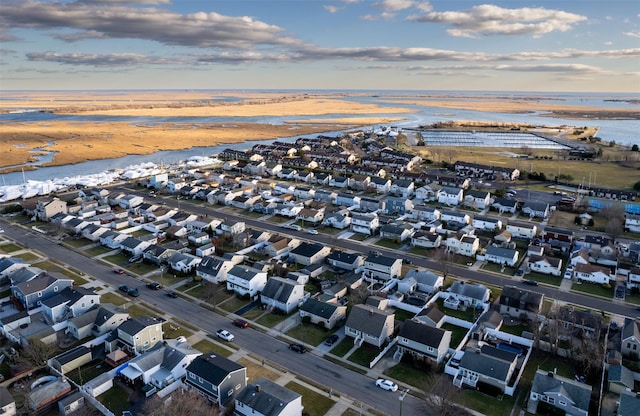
258,388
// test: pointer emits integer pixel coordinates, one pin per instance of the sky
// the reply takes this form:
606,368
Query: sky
555,46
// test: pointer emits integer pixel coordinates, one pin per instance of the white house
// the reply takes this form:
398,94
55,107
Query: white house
522,229
383,267
246,280
545,265
282,294
592,273
450,196
502,256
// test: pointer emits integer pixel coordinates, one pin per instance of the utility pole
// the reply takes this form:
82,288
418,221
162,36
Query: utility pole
401,398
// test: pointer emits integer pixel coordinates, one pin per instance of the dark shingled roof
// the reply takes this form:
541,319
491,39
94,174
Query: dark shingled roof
318,308
266,397
575,391
213,368
422,333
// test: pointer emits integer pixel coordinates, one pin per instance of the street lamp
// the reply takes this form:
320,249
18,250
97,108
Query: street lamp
401,398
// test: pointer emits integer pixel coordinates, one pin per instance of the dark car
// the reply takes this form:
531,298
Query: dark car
133,292
240,323
531,282
332,340
124,288
299,348
154,285
172,295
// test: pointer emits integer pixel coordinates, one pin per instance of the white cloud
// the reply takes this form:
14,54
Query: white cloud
488,19
633,34
330,8
394,5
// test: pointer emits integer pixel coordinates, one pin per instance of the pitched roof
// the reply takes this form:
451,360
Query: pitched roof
135,325
485,364
278,289
213,368
266,397
546,382
318,308
630,329
422,333
519,298
367,319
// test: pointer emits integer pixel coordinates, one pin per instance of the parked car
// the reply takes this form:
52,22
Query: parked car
332,340
172,294
299,348
375,253
133,292
530,282
135,258
154,285
386,384
312,231
124,288
240,323
225,335
118,271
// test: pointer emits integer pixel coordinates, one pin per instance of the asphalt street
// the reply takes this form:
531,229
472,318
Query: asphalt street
342,380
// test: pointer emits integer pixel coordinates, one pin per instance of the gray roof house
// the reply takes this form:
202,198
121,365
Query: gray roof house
32,293
138,334
369,324
282,294
423,342
245,280
502,256
217,378
383,267
69,302
518,303
344,260
563,393
468,294
489,365
265,398
326,312
309,253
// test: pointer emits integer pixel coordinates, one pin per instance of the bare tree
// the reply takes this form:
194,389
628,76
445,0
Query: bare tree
615,217
441,398
37,353
444,259
181,403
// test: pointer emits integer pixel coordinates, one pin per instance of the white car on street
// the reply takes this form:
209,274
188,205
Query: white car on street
225,335
386,384
312,231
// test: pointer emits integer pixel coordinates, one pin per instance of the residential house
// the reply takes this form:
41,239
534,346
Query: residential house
503,205
545,265
501,256
632,222
309,253
325,314
371,204
431,316
397,231
592,273
571,397
162,365
9,265
246,281
380,185
578,322
522,229
423,342
519,303
426,239
461,294
403,187
369,324
32,293
364,223
427,192
265,398
139,334
47,208
455,217
535,209
486,223
421,281
477,199
282,294
217,378
183,262
578,257
134,246
25,274
559,239
345,261
215,269
96,322
633,277
490,366
397,205
450,196
156,254
629,403
339,220
383,267
69,303
631,338
311,216
7,402
426,213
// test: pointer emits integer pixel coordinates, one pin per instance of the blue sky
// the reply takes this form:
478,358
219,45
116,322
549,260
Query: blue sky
581,45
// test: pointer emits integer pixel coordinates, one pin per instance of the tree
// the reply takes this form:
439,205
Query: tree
636,186
444,258
37,353
615,220
635,148
180,403
441,398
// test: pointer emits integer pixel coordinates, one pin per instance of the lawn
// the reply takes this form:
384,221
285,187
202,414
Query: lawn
97,251
515,329
256,370
87,372
392,245
409,374
233,304
137,310
173,331
343,347
545,278
309,334
364,355
457,333
112,297
271,319
115,399
10,248
315,404
118,259
77,242
359,237
207,347
485,404
402,315
467,315
593,289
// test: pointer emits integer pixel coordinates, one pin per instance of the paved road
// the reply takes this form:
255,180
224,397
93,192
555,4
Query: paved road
311,366
421,261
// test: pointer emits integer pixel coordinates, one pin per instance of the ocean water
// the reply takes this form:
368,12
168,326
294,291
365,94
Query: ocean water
625,132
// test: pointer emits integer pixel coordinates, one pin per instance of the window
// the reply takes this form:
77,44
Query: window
200,379
39,294
55,288
562,403
238,386
551,400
